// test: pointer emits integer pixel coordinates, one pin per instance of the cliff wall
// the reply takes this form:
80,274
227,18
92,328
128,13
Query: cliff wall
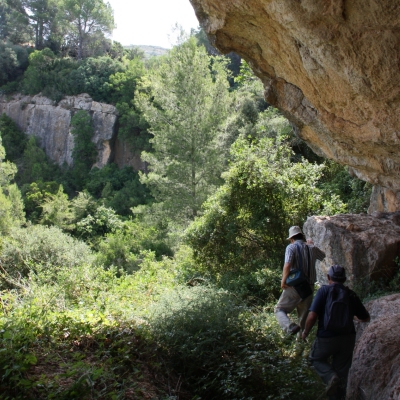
332,67
51,123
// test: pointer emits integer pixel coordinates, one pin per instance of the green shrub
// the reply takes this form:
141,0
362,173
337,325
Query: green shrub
13,61
120,188
13,139
92,77
69,332
25,248
37,75
35,166
245,223
124,247
223,351
104,220
48,74
352,191
34,195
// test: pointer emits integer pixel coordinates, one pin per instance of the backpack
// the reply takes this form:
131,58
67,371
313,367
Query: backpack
338,316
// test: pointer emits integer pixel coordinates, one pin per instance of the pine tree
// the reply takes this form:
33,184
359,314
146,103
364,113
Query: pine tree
186,104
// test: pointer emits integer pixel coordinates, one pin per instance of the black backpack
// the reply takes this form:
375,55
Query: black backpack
338,316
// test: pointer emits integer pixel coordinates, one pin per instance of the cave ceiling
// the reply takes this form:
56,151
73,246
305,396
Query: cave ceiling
332,67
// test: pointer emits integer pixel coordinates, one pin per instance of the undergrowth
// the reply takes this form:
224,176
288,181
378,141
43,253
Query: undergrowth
388,283
82,332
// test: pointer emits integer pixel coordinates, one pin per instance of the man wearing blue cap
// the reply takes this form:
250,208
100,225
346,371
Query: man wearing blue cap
335,306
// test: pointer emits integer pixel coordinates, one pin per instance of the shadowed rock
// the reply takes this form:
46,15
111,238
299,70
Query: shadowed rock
366,245
375,372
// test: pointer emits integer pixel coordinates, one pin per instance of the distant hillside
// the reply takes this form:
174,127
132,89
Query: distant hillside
149,51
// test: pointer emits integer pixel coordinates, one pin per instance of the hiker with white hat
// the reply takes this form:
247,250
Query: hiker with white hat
298,278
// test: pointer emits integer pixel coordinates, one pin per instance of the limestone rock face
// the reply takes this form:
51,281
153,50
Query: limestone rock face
375,372
123,156
366,245
332,67
38,116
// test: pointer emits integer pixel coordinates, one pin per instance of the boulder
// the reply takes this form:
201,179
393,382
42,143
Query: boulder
375,371
51,123
366,245
332,67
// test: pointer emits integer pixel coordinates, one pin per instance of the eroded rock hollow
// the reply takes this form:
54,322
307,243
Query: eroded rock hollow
332,67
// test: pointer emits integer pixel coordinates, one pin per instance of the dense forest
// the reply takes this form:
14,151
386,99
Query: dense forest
124,284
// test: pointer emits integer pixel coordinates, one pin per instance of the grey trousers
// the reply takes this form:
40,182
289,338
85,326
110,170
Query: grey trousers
330,356
289,301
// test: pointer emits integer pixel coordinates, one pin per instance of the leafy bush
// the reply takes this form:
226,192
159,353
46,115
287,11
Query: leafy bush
13,139
37,245
70,332
56,210
35,165
245,222
37,74
120,189
124,248
48,74
224,351
84,152
132,126
34,196
92,76
352,191
13,61
104,220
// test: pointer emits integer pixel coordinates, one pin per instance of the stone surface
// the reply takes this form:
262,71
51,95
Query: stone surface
332,67
375,372
366,245
123,156
39,116
383,199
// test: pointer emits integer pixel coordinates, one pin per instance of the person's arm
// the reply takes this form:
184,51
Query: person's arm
362,320
361,314
285,274
319,254
311,320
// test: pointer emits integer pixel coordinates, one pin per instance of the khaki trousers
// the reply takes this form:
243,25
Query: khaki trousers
289,301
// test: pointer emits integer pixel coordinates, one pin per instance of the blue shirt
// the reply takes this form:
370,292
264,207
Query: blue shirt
307,252
318,306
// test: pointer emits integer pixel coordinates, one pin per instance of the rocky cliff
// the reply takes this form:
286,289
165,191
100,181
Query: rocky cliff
51,123
332,67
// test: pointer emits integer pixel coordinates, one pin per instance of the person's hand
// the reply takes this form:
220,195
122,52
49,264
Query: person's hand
304,336
284,286
309,241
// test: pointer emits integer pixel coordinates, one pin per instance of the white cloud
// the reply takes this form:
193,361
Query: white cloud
151,22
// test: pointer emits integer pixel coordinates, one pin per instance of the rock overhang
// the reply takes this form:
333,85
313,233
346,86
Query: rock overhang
331,67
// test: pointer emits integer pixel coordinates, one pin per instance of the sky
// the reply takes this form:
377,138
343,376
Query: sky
151,22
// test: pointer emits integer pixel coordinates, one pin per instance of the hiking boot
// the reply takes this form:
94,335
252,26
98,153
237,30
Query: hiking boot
333,386
294,328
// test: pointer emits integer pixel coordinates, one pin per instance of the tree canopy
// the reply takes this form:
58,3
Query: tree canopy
185,101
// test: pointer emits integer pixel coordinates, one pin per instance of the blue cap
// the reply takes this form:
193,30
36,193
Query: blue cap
337,273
